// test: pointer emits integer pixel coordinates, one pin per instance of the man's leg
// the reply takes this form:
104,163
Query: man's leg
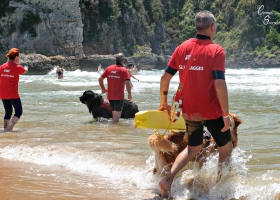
12,123
195,139
224,155
8,112
6,123
117,110
116,116
183,158
222,139
18,112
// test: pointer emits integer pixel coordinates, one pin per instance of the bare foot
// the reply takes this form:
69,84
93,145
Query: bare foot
165,186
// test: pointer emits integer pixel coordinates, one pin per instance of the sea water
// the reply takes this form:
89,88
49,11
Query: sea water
57,151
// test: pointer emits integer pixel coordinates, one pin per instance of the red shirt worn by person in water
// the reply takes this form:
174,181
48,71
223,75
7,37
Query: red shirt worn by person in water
9,75
199,96
116,76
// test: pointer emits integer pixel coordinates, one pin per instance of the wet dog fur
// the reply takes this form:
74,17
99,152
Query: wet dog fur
166,149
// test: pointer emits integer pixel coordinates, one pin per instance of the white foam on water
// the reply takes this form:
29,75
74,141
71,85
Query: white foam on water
77,160
257,80
201,183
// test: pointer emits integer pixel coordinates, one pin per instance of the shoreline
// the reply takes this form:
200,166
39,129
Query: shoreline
40,65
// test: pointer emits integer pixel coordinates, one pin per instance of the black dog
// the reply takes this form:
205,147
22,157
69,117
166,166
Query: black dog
100,107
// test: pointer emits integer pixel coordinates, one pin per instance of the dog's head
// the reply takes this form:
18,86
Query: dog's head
92,100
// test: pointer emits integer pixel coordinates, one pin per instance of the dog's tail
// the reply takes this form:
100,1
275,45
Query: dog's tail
161,144
235,122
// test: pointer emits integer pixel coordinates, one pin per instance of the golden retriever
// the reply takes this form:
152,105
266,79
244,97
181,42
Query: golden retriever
167,148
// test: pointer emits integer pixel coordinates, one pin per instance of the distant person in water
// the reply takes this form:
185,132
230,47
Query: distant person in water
130,68
59,72
9,78
134,70
100,69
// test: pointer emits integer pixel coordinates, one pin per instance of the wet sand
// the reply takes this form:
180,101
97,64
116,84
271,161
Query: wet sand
25,181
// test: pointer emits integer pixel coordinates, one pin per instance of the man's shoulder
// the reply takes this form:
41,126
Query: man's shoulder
195,40
192,42
216,47
3,65
187,42
110,66
19,66
115,66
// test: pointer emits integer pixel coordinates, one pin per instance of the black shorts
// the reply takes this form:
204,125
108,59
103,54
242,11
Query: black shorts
116,105
8,106
195,131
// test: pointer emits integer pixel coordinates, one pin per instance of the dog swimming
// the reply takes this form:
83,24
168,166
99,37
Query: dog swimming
99,107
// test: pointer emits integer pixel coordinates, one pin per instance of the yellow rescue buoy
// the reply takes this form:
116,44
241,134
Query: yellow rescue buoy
155,119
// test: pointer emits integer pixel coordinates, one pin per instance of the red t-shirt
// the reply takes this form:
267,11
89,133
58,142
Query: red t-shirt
9,76
199,96
116,76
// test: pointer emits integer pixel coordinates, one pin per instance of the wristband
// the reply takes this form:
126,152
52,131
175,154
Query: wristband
225,116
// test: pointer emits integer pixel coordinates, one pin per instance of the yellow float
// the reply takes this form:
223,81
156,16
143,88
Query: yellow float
155,119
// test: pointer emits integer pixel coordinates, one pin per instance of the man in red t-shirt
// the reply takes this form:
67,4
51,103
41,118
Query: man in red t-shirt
9,78
117,78
201,66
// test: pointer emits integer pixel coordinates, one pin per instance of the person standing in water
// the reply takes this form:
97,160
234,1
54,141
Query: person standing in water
9,77
130,69
59,72
117,77
201,66
135,70
100,69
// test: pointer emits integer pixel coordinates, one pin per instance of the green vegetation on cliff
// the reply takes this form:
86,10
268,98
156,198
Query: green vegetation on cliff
243,25
29,18
136,27
28,22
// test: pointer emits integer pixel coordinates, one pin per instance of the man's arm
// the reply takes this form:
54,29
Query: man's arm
25,69
134,77
222,93
128,88
101,83
164,86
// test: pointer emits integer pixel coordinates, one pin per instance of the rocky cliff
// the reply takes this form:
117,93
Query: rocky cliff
47,27
39,64
70,28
